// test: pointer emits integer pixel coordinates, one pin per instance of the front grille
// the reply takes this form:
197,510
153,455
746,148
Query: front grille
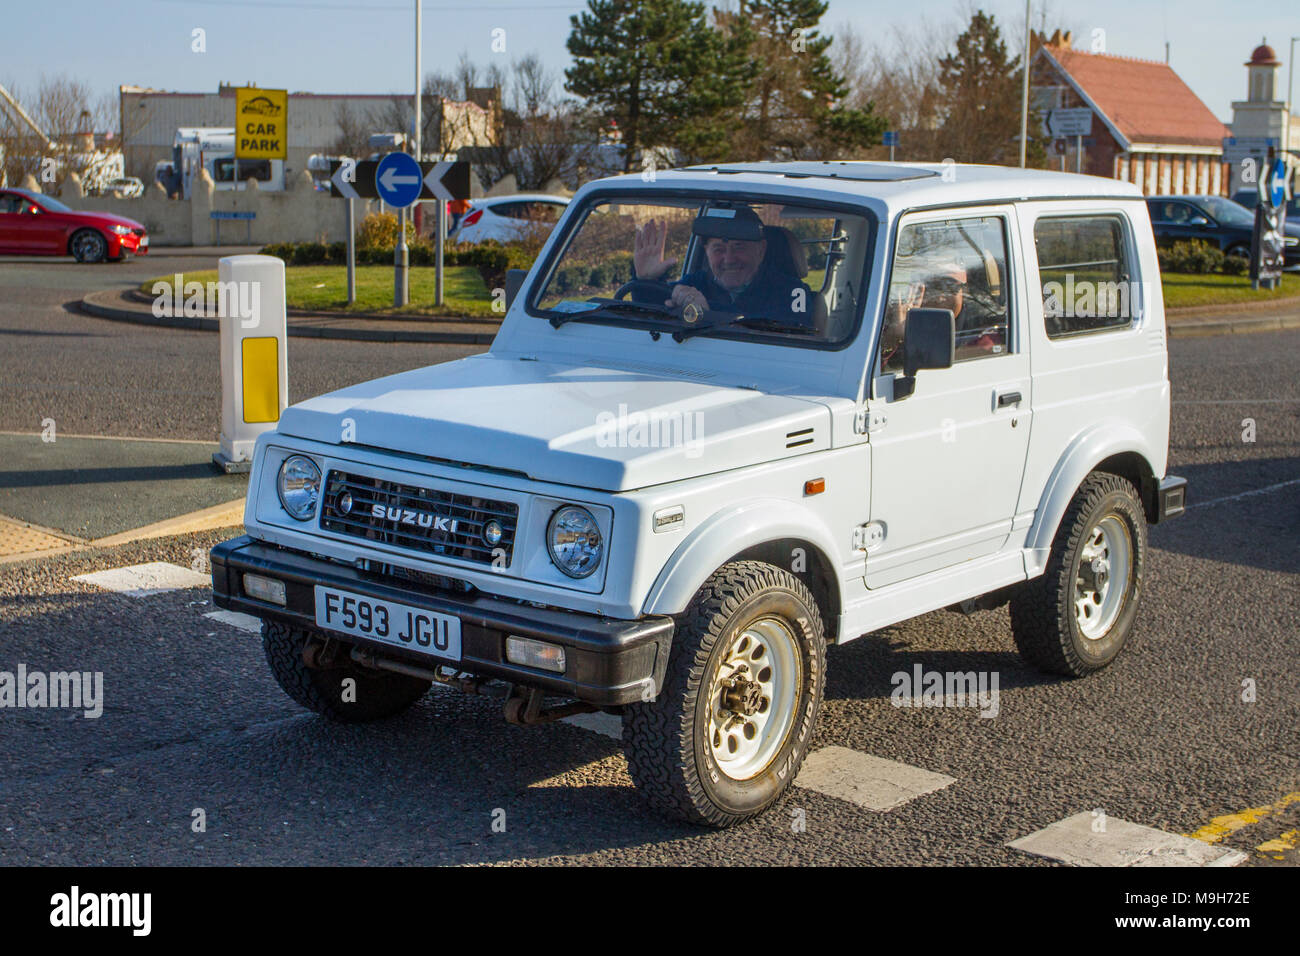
445,523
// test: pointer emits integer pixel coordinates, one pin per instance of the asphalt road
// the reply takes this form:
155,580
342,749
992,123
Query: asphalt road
192,719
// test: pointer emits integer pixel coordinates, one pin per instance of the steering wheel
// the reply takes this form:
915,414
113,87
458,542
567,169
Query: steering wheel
653,290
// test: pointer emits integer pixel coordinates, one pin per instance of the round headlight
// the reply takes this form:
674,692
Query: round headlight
573,539
299,486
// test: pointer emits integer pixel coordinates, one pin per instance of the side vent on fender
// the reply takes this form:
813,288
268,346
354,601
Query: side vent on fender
803,436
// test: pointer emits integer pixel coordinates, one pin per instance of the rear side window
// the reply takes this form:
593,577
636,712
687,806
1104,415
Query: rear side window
1083,265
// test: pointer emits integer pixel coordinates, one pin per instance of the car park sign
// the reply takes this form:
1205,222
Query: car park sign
261,124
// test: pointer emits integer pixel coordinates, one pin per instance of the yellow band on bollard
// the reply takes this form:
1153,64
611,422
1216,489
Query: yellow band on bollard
261,358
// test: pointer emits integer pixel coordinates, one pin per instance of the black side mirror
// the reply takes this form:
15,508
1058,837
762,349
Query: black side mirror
514,282
929,341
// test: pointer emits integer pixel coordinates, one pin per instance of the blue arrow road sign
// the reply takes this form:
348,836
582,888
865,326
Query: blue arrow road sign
398,180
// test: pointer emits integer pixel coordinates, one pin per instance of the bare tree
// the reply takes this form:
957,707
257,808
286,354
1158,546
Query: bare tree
67,111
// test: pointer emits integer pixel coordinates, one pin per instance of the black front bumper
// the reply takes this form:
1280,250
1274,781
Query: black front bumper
607,662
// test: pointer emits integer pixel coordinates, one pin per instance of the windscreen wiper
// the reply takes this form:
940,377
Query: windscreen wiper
610,308
729,319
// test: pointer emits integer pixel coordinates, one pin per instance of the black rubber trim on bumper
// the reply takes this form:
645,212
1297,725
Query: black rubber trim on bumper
1171,498
607,662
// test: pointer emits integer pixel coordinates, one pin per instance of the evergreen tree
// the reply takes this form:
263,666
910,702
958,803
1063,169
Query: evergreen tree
660,71
796,104
981,88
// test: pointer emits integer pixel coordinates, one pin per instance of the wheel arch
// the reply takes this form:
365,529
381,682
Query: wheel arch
770,530
1117,448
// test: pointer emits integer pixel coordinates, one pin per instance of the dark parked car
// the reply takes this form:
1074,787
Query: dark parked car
32,224
1216,220
1249,197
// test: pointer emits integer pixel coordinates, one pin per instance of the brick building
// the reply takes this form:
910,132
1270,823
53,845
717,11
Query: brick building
1148,127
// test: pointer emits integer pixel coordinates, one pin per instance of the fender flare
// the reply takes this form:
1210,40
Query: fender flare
1091,447
728,532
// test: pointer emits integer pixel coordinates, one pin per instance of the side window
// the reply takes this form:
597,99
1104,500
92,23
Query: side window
1083,265
511,210
954,264
1170,213
8,204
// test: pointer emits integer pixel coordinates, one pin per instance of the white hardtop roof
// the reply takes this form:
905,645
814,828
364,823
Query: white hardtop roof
897,186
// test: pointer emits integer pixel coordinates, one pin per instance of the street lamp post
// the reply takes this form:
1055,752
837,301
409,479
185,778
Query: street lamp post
1024,89
1290,76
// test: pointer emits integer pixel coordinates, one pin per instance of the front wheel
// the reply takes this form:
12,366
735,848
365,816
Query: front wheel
89,246
732,724
1078,616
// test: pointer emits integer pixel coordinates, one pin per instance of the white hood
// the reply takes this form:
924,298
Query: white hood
592,427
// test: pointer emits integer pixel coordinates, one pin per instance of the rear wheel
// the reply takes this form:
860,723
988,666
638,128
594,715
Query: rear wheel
1078,615
732,724
87,245
370,695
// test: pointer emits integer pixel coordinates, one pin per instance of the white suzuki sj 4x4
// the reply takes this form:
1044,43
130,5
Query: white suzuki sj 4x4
733,414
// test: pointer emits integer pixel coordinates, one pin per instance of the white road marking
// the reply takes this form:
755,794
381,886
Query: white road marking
245,622
1121,843
1245,494
611,725
146,580
871,782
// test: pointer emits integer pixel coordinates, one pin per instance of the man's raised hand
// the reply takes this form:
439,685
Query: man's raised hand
648,250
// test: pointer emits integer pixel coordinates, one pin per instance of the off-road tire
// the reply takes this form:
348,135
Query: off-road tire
87,245
670,762
1043,613
378,694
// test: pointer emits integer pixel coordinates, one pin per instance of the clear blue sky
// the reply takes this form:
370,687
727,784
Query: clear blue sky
366,46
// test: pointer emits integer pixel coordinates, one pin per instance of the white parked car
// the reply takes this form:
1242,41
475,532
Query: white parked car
508,218
732,416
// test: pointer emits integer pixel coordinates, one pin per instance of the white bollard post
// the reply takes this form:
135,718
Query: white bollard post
254,367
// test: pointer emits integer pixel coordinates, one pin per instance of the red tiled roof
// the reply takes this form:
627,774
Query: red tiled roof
1145,100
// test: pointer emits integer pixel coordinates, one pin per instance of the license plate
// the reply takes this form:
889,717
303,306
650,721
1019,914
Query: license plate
144,242
398,624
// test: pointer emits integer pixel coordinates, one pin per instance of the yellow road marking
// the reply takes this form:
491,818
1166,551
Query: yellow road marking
206,519
1229,823
1286,841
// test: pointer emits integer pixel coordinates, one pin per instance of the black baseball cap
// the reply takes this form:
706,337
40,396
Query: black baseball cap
728,222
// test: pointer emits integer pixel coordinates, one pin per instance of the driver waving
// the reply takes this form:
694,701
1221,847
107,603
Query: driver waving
734,279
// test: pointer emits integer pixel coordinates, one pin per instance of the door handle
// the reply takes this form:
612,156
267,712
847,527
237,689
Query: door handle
1008,398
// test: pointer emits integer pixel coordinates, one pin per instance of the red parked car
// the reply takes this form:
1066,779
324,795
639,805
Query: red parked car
35,225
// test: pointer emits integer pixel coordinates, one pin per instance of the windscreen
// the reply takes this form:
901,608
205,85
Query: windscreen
765,270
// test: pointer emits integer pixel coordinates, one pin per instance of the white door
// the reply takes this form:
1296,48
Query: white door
947,460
